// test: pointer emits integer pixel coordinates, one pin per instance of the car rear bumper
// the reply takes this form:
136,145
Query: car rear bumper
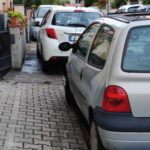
50,49
124,140
122,131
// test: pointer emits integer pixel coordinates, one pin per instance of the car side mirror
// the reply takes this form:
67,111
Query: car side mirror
66,46
36,24
34,17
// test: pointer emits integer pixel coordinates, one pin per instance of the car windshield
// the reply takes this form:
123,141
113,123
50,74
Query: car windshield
74,19
132,9
136,57
42,11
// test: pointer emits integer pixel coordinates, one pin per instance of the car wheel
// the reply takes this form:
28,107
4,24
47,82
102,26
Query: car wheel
37,52
95,141
69,96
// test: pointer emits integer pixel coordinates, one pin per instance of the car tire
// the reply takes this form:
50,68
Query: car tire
37,52
45,66
95,140
69,96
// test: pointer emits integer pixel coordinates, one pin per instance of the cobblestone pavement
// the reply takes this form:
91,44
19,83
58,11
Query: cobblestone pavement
35,116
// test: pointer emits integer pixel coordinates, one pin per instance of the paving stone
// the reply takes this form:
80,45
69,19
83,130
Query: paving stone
37,142
25,123
18,139
59,134
83,146
59,144
33,136
24,131
11,144
41,132
47,138
51,148
36,117
66,140
9,121
32,146
16,148
33,128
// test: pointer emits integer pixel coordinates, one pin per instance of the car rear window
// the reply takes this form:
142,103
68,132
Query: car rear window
136,57
42,11
74,19
132,9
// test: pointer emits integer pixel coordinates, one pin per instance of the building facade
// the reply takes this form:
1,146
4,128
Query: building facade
5,4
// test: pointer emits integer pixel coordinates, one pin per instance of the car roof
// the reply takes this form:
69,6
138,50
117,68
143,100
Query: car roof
127,17
71,9
50,6
127,6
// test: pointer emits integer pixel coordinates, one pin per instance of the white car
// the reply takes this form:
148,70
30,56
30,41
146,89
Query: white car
128,8
59,25
42,10
108,75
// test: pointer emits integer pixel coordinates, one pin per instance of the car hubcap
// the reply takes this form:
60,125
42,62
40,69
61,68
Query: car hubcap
94,144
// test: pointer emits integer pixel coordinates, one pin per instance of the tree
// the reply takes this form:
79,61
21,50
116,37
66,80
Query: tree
145,2
17,2
89,2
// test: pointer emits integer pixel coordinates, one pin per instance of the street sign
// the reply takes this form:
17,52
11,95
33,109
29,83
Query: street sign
72,1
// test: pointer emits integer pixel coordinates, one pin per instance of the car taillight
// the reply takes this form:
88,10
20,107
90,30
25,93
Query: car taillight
53,58
51,33
115,99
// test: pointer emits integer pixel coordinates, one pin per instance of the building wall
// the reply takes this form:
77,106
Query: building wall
19,8
4,5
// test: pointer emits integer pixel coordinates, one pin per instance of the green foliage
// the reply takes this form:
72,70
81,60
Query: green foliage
33,6
15,14
89,2
54,3
145,2
17,2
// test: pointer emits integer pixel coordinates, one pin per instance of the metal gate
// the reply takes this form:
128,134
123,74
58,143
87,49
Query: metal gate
5,52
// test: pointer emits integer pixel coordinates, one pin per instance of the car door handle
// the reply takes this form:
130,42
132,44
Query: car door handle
81,74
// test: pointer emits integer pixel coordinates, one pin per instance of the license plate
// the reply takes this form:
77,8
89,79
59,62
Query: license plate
73,38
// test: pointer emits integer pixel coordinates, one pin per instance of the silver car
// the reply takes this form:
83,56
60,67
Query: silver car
108,75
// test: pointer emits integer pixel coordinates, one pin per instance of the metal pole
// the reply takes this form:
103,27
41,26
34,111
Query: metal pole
108,7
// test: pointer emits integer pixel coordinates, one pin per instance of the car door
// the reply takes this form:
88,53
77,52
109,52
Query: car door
40,34
90,84
77,61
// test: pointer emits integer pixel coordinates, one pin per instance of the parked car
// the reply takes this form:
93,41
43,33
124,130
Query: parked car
60,25
108,75
128,8
42,10
143,9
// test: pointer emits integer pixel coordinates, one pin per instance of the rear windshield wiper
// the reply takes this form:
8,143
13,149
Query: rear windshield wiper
76,24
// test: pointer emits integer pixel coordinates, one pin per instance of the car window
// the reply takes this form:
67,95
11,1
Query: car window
148,9
74,19
85,40
136,55
42,11
132,9
44,21
100,47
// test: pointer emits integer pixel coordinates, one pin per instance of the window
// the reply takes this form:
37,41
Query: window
44,21
85,40
136,57
42,11
100,47
74,19
132,9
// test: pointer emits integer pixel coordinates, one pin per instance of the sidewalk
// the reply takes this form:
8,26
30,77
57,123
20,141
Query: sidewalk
34,113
